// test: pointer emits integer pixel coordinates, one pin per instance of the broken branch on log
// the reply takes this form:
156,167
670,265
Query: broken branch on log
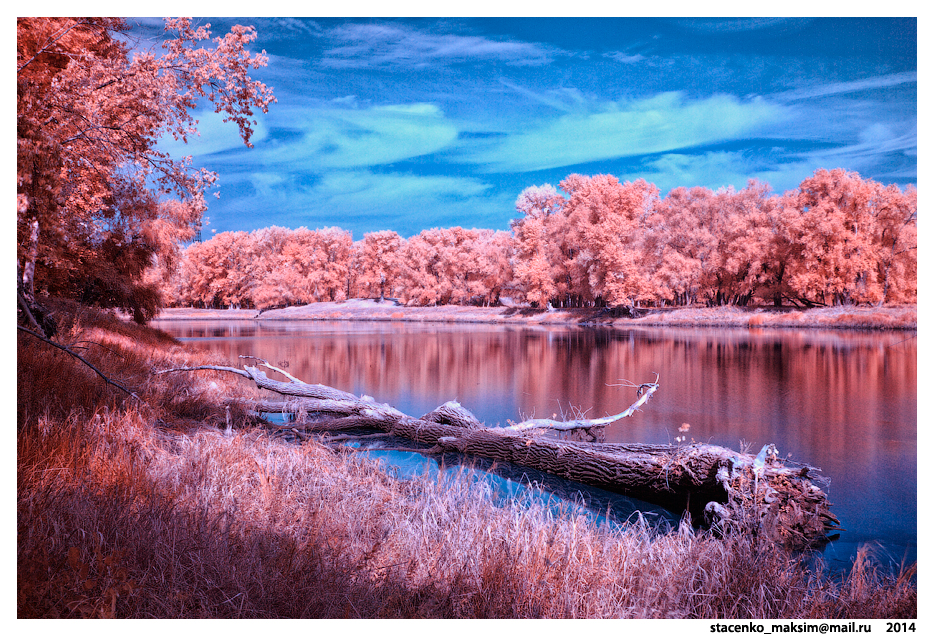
724,488
266,364
581,423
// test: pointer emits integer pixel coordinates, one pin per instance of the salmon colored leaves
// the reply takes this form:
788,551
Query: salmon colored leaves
90,114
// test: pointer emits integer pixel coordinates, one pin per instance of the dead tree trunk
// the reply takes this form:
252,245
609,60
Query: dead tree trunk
719,487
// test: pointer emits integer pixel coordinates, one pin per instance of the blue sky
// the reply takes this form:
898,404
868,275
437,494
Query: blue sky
407,124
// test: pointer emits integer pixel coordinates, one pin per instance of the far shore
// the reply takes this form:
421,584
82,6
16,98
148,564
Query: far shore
839,317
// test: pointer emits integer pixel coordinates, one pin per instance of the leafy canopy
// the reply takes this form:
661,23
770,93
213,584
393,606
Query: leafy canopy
90,175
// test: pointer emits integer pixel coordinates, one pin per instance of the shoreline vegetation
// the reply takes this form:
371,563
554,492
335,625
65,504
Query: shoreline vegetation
902,317
146,507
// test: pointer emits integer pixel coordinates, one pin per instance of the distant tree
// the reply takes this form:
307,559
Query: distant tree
495,273
333,255
537,233
220,271
423,280
378,263
847,234
272,273
895,235
454,265
89,115
608,223
681,244
744,241
721,238
462,265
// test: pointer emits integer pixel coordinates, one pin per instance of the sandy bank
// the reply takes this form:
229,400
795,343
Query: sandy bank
901,318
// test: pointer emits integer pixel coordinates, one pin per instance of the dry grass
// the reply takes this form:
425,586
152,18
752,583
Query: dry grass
133,510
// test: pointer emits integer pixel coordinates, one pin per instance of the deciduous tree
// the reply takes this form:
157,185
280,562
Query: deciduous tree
681,243
608,221
537,262
848,235
89,116
895,234
378,263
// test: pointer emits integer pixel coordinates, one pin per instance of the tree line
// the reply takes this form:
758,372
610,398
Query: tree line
277,267
836,239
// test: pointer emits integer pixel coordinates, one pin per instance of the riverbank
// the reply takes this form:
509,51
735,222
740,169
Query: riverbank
143,507
841,317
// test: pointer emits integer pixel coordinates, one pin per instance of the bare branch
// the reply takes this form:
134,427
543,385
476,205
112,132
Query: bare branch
583,423
80,358
29,315
217,368
275,369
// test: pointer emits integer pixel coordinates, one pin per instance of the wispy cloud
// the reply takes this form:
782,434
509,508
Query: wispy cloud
286,28
332,138
839,88
739,25
713,170
877,151
385,45
214,136
880,149
624,58
658,124
387,190
565,100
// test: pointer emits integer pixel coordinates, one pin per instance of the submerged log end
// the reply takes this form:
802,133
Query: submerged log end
783,503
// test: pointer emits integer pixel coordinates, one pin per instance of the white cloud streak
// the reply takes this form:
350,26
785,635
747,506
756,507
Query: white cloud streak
672,170
665,122
337,138
382,45
214,136
838,88
739,25
624,58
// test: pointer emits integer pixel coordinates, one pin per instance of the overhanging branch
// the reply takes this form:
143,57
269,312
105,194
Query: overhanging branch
80,358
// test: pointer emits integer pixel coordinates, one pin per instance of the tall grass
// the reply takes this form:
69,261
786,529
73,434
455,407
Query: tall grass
131,509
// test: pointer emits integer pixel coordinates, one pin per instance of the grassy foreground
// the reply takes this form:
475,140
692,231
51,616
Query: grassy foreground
137,509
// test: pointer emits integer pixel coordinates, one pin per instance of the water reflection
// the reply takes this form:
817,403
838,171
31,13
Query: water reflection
842,401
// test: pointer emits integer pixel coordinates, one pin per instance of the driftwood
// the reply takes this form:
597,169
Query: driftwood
720,488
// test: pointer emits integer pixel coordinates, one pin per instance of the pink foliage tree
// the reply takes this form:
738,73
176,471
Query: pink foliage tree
848,234
377,264
608,221
537,260
90,114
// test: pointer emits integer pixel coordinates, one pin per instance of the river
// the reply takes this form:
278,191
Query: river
842,401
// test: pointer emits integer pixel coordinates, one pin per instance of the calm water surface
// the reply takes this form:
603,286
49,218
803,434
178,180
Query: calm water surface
844,402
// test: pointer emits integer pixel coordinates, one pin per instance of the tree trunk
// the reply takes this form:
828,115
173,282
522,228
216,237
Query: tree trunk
718,487
29,269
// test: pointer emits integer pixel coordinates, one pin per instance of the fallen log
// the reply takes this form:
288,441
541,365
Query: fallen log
720,488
